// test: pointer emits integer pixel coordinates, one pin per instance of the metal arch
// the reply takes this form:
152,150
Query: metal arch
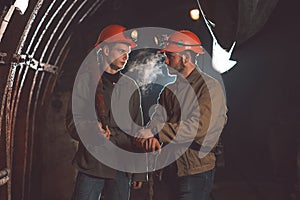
47,26
63,31
27,130
14,98
7,96
8,135
39,26
25,34
42,78
19,49
16,82
16,106
41,81
91,8
68,39
56,63
4,100
36,98
29,25
96,8
62,50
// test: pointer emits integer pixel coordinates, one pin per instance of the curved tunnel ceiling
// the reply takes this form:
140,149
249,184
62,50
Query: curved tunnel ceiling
53,22
51,25
53,36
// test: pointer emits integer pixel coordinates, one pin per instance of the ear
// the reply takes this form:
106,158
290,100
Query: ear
105,50
186,58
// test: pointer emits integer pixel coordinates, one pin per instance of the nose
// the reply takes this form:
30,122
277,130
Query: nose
125,56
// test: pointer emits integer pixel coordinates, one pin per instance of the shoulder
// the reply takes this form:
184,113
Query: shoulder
124,79
204,79
215,89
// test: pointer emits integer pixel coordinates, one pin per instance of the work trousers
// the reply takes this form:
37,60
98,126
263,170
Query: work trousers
191,187
91,188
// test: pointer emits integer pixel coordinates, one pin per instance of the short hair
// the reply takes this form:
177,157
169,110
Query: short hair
193,55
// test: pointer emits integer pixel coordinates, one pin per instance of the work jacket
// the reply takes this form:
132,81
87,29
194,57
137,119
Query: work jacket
191,117
86,131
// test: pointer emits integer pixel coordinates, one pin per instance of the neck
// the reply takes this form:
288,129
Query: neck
187,70
109,69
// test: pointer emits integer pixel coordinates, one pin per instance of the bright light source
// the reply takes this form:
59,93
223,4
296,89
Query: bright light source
195,14
134,35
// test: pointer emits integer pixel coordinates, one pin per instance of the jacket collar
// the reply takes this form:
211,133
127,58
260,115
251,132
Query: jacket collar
193,76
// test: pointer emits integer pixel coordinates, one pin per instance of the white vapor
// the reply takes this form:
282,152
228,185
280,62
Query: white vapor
147,70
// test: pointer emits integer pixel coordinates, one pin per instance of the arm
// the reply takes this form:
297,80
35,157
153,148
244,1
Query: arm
82,119
197,117
136,114
136,111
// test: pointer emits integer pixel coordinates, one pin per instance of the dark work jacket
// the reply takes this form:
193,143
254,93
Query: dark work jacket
84,116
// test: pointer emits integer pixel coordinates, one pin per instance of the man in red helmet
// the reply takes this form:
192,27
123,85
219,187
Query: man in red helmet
190,119
103,66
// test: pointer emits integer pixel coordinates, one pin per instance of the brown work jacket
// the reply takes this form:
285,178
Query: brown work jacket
191,122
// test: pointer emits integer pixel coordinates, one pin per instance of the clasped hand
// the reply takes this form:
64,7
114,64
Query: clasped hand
145,139
105,132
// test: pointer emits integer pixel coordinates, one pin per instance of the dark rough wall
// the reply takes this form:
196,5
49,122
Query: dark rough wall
58,175
262,132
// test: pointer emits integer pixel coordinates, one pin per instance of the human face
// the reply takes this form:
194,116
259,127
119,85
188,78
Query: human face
118,55
174,60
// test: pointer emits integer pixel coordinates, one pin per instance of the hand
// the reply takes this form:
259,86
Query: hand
141,137
139,142
136,185
152,144
105,132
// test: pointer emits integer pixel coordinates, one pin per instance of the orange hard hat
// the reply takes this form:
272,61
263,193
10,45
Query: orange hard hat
114,33
183,40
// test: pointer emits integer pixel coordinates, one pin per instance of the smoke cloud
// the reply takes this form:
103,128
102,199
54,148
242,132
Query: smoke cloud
146,70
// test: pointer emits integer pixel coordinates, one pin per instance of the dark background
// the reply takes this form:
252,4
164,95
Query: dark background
261,137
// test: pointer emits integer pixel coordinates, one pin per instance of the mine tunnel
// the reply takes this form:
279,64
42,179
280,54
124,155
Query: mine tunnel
44,42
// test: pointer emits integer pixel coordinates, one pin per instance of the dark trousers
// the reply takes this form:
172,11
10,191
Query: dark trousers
191,187
91,188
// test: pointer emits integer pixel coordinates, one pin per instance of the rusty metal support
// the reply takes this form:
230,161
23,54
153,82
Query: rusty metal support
28,60
4,176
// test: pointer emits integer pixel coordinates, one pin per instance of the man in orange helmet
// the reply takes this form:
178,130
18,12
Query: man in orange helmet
103,67
188,122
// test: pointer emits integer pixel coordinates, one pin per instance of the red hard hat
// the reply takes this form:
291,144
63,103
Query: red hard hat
183,40
114,33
